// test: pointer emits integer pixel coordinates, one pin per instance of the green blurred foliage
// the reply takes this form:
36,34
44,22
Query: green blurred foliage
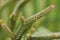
51,21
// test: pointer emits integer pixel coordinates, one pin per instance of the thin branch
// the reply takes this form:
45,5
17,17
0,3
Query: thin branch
40,14
13,17
44,36
5,27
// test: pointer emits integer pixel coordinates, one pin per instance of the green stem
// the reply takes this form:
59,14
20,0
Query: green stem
13,17
5,27
49,36
29,21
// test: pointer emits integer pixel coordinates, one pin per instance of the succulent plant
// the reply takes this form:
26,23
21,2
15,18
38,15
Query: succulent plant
26,29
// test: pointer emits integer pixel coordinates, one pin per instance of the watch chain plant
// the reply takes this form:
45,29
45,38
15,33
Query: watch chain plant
26,23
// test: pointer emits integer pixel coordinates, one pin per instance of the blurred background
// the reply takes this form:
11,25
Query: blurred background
51,22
